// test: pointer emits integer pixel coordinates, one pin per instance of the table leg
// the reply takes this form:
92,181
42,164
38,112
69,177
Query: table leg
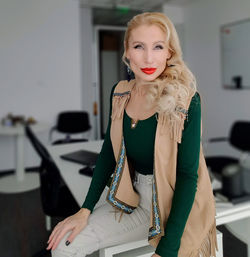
20,158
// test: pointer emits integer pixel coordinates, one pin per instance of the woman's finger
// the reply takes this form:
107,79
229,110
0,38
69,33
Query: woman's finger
60,236
58,226
54,238
72,235
52,235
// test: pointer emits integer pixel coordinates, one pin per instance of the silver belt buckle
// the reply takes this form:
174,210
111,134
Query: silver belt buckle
149,180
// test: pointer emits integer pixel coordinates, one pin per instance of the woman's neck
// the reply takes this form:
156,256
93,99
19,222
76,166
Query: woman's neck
139,88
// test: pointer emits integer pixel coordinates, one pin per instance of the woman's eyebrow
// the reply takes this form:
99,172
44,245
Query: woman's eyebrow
136,42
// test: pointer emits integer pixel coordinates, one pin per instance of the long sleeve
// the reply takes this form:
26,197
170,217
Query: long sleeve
105,166
186,182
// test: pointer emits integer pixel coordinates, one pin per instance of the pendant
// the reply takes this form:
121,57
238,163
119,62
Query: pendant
133,124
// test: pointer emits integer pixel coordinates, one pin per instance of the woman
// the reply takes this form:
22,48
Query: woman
152,148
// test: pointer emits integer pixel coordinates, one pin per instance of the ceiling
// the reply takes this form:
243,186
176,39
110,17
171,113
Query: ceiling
119,12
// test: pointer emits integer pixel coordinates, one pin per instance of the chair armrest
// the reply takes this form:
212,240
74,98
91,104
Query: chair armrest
205,142
217,139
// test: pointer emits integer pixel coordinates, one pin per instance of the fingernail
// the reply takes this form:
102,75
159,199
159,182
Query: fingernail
67,242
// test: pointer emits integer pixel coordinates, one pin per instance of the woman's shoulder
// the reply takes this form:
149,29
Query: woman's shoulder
196,99
122,86
195,104
113,87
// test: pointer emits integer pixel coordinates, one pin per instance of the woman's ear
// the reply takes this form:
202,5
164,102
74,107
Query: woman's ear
127,55
169,55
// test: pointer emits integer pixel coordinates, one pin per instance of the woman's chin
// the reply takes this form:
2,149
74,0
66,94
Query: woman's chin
146,77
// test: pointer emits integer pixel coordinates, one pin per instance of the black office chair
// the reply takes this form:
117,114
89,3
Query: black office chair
69,123
57,201
239,138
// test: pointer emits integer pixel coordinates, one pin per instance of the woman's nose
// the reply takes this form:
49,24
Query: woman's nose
148,56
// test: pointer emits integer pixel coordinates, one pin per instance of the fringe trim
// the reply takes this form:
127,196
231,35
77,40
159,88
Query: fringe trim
176,126
208,246
118,211
118,106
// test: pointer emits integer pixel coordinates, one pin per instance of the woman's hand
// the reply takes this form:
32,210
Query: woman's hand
76,223
155,255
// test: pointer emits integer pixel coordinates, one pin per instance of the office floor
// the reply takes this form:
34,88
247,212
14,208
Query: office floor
23,231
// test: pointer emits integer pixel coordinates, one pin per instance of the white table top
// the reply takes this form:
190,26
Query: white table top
19,129
79,184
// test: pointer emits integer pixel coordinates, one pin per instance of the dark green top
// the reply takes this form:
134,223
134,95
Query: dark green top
139,143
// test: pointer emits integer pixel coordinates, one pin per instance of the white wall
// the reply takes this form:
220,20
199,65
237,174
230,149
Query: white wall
202,20
39,64
176,15
87,64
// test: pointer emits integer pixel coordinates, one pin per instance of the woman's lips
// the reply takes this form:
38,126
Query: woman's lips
148,70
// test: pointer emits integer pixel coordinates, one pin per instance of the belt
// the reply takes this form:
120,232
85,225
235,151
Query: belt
143,179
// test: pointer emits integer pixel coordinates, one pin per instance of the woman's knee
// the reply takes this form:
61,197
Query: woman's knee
63,250
68,251
62,253
83,244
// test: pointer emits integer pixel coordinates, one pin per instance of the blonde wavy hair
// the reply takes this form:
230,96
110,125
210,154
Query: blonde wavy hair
172,88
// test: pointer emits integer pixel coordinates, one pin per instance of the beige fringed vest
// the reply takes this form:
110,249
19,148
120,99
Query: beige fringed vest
199,236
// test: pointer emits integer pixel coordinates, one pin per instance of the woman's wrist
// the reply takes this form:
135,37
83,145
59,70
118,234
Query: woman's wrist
85,212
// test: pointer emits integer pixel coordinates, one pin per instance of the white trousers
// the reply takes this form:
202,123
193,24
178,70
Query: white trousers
104,230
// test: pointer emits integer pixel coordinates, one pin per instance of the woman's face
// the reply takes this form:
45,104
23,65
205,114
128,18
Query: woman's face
147,52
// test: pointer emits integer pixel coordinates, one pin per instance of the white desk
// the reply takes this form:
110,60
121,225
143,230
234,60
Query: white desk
78,184
20,181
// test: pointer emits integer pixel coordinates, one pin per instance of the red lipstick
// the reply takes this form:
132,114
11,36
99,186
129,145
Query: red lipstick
148,70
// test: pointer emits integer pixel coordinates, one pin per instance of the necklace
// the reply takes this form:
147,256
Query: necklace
133,123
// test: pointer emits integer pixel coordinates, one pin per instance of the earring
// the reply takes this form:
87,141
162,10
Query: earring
127,60
129,71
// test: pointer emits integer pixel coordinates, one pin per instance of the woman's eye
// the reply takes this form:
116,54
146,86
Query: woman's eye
159,47
137,46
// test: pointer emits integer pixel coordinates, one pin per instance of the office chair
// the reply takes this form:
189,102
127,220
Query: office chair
57,201
69,123
239,137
